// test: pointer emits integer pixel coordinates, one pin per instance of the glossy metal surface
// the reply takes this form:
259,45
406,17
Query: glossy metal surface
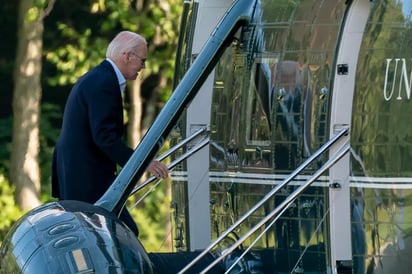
342,134
382,143
270,112
271,217
282,131
272,91
72,237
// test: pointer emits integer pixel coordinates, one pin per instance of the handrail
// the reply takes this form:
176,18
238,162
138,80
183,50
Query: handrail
174,163
285,204
183,143
169,152
268,196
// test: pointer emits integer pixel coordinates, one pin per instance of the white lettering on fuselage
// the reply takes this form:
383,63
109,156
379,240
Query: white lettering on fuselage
403,80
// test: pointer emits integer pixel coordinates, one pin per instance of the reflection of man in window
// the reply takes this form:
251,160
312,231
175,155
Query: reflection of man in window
286,93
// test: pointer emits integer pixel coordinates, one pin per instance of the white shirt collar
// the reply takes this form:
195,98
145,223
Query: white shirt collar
120,77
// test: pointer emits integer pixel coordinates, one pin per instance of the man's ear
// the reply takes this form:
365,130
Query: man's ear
125,57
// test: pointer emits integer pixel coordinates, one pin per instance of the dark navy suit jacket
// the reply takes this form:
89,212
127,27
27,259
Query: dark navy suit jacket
90,144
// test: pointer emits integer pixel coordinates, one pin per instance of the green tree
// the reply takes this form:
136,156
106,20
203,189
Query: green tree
24,167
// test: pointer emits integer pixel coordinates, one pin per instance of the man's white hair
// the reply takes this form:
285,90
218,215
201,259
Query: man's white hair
124,41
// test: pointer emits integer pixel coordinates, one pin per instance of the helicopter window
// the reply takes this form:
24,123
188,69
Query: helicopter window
258,105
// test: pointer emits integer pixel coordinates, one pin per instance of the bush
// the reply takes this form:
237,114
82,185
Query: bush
9,212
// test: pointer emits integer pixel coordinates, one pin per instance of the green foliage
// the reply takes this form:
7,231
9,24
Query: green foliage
48,136
151,216
81,46
9,212
72,60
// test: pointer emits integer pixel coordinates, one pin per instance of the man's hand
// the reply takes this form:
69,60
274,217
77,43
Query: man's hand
158,169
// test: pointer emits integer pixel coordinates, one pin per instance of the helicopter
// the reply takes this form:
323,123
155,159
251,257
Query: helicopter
306,106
